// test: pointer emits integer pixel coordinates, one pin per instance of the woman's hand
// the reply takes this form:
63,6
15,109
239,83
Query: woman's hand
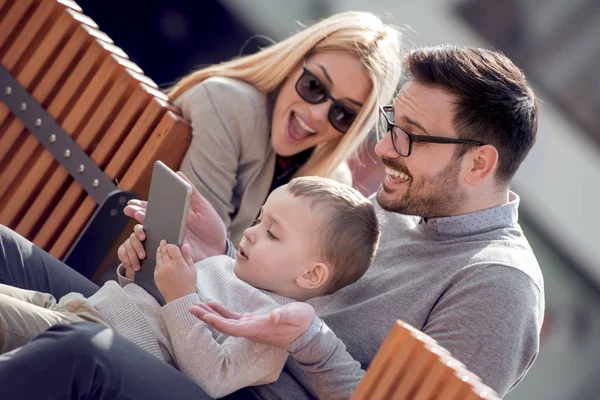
205,232
132,251
279,328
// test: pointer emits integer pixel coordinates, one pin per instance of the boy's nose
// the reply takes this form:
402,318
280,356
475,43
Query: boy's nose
250,234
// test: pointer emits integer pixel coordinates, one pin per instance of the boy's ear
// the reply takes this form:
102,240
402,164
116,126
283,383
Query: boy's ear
314,277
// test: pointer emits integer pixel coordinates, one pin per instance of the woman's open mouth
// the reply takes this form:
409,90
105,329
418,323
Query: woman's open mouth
298,130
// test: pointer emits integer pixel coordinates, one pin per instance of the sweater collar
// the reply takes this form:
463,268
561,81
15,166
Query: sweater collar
504,215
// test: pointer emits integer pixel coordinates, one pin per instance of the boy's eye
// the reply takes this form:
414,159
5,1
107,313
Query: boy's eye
271,236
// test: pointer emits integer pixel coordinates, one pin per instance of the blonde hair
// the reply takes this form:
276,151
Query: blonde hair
361,34
349,236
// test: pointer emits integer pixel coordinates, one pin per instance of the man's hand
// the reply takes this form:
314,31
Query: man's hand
175,274
205,231
132,251
279,328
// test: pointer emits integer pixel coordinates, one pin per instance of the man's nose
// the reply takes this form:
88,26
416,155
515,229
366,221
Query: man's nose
385,147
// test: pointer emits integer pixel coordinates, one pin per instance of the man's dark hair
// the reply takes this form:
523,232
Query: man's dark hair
494,102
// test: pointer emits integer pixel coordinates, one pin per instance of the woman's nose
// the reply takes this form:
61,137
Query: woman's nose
319,112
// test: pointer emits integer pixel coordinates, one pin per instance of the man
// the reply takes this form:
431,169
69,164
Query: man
452,260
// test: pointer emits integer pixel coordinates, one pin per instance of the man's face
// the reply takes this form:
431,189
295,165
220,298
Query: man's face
428,182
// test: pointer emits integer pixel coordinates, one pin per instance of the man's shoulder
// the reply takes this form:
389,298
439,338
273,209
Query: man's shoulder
510,248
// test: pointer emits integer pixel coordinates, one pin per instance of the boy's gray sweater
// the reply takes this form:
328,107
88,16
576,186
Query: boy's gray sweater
219,363
471,282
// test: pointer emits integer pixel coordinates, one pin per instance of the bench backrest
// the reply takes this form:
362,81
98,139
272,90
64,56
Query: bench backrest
410,365
101,100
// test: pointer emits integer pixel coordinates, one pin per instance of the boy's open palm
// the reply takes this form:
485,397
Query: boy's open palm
279,328
175,274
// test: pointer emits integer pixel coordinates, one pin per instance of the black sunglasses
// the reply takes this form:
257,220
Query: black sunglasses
403,140
313,91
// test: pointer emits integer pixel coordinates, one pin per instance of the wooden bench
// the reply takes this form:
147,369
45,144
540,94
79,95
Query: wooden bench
410,365
117,120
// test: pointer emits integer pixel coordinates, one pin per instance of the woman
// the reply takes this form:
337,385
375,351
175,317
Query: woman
299,107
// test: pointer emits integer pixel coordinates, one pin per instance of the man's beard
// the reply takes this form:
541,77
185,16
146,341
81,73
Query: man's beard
429,197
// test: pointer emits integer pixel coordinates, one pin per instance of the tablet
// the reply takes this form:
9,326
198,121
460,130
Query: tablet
166,216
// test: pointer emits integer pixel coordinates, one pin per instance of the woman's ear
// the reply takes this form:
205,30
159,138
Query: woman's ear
482,162
314,277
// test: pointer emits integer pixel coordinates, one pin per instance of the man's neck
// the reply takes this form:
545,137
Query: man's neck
484,201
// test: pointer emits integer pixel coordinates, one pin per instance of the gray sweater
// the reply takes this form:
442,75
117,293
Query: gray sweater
471,282
219,363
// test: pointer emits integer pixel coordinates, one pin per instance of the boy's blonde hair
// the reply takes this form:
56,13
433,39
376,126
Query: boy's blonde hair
349,236
362,34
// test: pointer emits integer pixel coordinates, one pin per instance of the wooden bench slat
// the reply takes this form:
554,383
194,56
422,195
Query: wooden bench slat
106,112
27,78
14,18
380,362
71,4
416,374
116,167
397,367
4,6
80,118
69,93
454,388
135,140
167,143
134,177
12,31
436,377
42,55
46,89
481,392
121,124
29,37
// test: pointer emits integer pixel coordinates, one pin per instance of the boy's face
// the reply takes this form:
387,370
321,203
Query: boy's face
282,245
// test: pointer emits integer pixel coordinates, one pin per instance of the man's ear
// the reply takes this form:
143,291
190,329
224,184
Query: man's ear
481,163
315,276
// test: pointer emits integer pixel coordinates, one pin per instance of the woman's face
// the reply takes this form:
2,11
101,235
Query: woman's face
298,125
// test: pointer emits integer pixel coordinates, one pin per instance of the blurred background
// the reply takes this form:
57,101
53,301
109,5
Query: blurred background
554,41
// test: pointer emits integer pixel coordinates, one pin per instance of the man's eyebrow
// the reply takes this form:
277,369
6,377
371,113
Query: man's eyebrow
328,77
415,123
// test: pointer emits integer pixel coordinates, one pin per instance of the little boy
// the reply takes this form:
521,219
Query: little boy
313,237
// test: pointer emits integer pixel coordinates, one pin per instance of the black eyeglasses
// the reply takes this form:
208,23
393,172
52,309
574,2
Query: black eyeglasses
403,140
313,91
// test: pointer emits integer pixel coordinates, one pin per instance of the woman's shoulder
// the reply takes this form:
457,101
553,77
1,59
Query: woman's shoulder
227,91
